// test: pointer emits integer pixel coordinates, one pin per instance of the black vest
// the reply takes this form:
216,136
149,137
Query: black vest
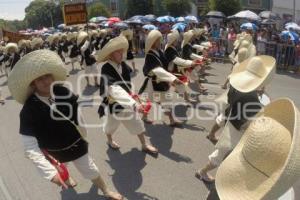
151,62
52,134
109,76
171,53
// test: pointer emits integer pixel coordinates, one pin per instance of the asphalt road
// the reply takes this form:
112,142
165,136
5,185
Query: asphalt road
136,175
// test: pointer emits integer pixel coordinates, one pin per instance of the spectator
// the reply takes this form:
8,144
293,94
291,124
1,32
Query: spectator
231,38
261,42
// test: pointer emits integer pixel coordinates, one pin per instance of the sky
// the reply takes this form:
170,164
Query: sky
13,9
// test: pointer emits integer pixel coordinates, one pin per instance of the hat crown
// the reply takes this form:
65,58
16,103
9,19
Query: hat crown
267,145
245,44
242,55
256,67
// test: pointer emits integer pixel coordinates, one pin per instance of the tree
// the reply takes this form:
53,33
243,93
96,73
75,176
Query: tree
139,7
97,9
177,7
42,13
14,25
228,7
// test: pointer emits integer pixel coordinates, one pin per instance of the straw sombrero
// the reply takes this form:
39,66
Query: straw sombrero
71,36
266,161
187,37
11,45
53,38
22,43
128,34
114,44
36,41
29,68
172,37
253,73
242,37
152,37
198,31
81,36
103,33
242,55
93,33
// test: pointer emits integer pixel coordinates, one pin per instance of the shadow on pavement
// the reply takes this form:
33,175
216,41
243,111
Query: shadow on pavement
127,177
71,194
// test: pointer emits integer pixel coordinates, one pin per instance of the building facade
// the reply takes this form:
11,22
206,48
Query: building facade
285,8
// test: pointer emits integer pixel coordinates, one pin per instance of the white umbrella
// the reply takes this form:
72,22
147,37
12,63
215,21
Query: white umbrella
293,26
246,14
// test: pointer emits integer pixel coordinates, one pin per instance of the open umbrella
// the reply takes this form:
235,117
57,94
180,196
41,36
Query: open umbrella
180,19
101,19
292,26
215,14
179,26
246,14
150,18
61,26
93,20
121,25
191,19
149,27
135,21
163,19
114,19
249,26
289,34
141,17
268,15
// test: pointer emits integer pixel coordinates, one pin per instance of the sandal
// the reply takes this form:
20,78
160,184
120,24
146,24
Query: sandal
113,196
149,149
147,121
113,145
204,176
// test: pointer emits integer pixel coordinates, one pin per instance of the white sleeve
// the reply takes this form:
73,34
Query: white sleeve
121,96
199,48
85,46
196,57
163,75
182,63
33,152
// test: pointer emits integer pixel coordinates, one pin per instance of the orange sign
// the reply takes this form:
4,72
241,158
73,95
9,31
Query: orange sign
75,14
14,37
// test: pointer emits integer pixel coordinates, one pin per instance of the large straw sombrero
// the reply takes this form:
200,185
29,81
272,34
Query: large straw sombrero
253,73
11,45
113,45
266,161
187,37
22,43
81,36
29,68
172,37
198,31
128,33
242,55
93,33
53,38
36,41
152,37
71,35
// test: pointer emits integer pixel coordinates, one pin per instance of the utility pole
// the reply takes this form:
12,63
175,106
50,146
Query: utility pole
294,10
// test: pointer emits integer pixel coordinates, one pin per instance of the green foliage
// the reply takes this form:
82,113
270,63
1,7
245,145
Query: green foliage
43,13
228,7
139,7
14,25
177,7
97,9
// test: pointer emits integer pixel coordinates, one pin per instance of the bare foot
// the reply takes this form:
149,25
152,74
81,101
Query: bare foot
71,183
113,145
204,176
113,195
148,148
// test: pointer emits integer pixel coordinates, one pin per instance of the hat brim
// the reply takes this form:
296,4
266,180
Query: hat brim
244,81
237,178
29,68
113,45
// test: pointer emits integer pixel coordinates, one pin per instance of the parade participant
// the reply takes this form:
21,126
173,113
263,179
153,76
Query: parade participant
177,65
94,37
74,51
2,57
265,163
48,126
130,57
86,49
53,43
188,52
245,80
115,90
108,35
155,70
63,47
36,44
11,56
22,47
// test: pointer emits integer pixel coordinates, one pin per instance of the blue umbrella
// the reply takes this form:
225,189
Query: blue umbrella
249,26
141,17
289,34
121,25
180,19
135,21
150,27
150,18
179,26
163,19
191,19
